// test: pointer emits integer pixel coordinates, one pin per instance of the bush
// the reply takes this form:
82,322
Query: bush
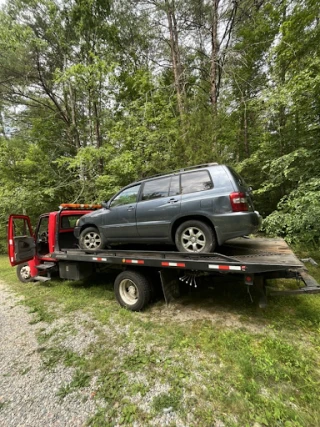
297,215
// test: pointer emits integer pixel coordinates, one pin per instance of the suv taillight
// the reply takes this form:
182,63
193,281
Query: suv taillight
239,202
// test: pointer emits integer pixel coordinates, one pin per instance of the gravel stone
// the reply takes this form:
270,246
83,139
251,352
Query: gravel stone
28,390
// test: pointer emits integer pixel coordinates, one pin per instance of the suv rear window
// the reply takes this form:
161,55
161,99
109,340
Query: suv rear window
156,188
239,180
221,179
195,181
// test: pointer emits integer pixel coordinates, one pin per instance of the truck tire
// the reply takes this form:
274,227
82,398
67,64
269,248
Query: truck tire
195,236
91,240
24,273
132,290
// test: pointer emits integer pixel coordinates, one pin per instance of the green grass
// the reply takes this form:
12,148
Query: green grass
210,358
79,380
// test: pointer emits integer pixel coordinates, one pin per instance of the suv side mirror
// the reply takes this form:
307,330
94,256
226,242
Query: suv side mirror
106,205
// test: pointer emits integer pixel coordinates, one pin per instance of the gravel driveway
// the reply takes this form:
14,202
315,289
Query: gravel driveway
28,389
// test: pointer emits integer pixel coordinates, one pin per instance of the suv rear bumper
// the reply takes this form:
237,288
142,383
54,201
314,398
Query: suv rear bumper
231,224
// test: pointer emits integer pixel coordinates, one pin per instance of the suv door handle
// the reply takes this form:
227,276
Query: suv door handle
131,208
173,201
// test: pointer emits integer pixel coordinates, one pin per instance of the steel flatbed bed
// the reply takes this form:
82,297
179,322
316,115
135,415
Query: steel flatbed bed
256,259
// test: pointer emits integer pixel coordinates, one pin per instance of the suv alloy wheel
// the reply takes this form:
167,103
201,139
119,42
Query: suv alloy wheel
195,236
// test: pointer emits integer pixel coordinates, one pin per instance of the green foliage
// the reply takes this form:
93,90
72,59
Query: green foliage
88,102
297,215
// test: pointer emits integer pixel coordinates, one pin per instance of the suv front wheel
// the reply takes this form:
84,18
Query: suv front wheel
195,236
91,240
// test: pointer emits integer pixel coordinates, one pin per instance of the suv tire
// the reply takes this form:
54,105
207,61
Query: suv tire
195,236
91,240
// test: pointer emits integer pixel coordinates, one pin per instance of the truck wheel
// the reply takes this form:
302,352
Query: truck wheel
90,240
24,273
195,236
132,290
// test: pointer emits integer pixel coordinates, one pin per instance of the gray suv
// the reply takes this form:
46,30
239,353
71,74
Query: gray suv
196,208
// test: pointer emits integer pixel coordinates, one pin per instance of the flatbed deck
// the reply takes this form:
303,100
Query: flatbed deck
263,251
244,255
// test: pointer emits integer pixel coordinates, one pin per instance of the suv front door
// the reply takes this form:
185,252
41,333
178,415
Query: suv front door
159,203
120,220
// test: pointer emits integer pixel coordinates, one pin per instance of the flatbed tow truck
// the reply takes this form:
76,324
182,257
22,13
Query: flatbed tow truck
52,250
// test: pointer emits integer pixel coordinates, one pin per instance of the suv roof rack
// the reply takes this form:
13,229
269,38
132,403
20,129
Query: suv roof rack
203,165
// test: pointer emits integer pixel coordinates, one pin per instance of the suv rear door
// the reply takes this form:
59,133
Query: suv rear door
160,202
21,242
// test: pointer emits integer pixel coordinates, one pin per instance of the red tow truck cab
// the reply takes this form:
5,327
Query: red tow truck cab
54,231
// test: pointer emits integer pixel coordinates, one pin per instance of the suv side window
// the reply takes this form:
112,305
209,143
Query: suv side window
195,181
127,196
175,186
156,188
221,178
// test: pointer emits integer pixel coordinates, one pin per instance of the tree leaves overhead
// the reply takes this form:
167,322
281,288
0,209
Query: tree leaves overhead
95,94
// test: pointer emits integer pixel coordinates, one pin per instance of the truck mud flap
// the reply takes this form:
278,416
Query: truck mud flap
311,286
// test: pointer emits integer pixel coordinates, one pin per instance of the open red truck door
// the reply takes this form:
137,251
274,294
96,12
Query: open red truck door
21,241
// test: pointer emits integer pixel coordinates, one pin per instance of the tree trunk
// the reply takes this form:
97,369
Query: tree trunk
74,128
245,129
98,133
175,54
214,57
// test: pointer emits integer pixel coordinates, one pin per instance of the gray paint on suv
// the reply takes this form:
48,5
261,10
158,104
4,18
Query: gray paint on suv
196,208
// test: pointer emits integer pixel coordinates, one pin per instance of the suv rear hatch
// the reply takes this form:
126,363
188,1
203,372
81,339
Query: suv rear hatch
240,200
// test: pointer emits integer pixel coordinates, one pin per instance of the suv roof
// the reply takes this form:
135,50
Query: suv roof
188,168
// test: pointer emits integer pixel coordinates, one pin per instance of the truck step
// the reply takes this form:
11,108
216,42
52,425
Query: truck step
45,266
41,278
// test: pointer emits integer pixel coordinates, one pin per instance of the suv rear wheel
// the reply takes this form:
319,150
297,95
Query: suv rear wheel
195,236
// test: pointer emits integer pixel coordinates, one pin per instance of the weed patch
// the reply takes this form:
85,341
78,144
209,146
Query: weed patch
79,380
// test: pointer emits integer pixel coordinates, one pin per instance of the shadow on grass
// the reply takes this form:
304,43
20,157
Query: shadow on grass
230,296
103,280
